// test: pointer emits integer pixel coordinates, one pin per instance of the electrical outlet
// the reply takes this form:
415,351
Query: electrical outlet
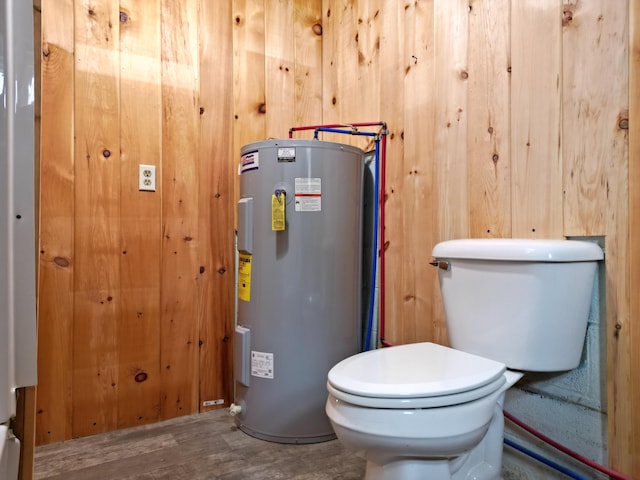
147,178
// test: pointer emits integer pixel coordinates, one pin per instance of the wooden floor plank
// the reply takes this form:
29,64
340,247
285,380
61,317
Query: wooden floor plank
209,446
195,447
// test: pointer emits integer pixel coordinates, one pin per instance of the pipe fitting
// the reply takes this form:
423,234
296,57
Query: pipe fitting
234,409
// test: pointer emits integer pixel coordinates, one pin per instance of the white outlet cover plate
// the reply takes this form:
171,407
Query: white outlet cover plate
147,178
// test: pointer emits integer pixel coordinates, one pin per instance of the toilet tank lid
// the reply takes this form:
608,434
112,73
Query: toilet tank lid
523,250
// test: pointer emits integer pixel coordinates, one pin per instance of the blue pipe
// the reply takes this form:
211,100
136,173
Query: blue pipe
347,132
544,460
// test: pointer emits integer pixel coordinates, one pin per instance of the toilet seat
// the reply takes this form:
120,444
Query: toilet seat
419,375
419,402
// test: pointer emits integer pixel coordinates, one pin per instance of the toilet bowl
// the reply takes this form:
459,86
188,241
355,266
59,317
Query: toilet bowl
427,411
437,412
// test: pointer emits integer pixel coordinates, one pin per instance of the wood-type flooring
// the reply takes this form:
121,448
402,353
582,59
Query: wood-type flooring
207,446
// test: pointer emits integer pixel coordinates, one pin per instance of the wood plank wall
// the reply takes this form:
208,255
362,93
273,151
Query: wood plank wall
506,119
136,288
629,458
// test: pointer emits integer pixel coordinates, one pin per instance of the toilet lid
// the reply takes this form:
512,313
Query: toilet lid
417,370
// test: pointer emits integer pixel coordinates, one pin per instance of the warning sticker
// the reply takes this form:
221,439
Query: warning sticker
308,194
249,161
244,277
278,218
261,364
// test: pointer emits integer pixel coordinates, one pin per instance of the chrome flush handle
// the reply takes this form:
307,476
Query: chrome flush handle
441,264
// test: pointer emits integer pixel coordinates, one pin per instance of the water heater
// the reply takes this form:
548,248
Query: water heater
299,283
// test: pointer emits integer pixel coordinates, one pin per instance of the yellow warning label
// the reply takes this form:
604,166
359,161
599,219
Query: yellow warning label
278,203
244,276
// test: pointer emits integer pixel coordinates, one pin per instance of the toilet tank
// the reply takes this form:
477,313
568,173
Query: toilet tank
524,303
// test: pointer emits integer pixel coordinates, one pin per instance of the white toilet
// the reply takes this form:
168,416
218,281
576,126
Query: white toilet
425,411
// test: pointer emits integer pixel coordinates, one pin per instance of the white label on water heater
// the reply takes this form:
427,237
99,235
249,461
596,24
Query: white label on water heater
308,194
261,364
287,154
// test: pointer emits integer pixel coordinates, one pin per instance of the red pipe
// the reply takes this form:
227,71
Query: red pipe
562,448
383,246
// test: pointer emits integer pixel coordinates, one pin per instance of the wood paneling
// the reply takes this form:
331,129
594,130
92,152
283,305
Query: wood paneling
24,428
180,237
308,30
536,167
410,289
97,300
506,118
594,156
450,166
350,71
248,74
279,68
488,132
217,207
363,102
593,39
393,57
624,429
451,118
136,288
339,60
56,265
140,218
